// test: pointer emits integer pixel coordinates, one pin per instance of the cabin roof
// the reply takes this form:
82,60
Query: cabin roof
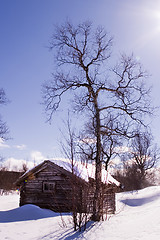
82,173
87,171
40,167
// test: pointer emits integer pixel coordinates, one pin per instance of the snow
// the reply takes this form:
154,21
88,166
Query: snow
25,213
85,171
136,218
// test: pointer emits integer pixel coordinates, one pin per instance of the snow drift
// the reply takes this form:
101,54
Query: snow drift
25,213
137,218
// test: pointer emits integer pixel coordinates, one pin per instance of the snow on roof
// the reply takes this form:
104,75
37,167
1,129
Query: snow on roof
86,171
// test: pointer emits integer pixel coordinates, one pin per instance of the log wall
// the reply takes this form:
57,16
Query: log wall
58,199
67,193
106,200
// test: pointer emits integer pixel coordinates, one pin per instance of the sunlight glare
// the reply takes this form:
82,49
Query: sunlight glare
157,17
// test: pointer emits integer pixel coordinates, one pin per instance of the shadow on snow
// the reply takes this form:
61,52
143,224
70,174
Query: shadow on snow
70,234
135,202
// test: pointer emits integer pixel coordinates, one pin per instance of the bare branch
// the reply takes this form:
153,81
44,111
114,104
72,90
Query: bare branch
3,126
116,104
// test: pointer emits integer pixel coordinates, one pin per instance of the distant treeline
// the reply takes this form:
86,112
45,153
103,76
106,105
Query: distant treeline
8,179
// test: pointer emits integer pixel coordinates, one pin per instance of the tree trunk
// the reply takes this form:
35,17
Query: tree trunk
98,172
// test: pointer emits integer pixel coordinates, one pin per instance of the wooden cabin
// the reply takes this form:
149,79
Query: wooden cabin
51,186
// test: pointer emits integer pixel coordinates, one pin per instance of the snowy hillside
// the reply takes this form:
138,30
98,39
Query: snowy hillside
137,218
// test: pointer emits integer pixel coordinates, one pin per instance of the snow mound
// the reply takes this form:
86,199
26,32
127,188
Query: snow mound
145,196
25,213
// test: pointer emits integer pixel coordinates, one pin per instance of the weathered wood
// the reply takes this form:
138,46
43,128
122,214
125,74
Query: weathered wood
67,192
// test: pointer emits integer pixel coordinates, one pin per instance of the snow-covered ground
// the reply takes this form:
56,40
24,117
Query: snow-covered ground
137,218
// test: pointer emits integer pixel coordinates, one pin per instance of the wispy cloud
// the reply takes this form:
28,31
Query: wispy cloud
3,144
37,156
88,141
122,149
21,146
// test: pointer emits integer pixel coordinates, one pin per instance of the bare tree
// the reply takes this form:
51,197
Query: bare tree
139,162
118,95
69,147
68,144
3,127
144,154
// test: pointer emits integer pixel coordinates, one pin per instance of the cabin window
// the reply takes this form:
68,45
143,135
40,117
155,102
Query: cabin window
48,186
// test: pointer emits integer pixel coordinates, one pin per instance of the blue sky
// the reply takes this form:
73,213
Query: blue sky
25,61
